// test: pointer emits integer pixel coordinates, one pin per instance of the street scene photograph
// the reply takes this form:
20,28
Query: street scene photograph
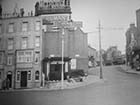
69,52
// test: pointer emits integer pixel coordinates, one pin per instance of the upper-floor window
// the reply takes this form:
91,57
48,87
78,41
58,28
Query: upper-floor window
37,57
24,42
9,59
24,26
11,27
37,41
0,28
10,43
37,25
24,56
1,57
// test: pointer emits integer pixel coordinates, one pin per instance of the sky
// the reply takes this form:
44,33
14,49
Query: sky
114,15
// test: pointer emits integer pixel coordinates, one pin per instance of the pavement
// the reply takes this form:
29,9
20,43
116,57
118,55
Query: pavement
128,69
56,85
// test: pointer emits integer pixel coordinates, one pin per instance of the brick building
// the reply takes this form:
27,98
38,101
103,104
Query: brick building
32,45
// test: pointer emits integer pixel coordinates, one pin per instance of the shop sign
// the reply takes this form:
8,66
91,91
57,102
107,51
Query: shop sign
73,63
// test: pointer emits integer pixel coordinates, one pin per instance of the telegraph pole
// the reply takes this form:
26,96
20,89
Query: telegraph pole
100,51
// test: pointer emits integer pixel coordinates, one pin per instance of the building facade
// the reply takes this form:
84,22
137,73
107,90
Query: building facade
31,46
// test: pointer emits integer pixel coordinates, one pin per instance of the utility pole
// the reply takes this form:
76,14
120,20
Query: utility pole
100,51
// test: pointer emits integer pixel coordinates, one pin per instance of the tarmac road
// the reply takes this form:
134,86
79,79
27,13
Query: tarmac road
119,88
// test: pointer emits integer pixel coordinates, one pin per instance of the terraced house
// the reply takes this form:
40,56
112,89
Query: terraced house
31,46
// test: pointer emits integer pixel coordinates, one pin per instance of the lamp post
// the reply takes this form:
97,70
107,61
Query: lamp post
62,72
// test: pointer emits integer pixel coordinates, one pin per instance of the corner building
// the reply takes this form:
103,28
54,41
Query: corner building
31,46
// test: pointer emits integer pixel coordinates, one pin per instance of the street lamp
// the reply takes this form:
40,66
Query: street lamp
62,72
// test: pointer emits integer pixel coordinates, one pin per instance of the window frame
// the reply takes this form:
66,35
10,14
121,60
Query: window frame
24,27
29,75
18,76
37,56
9,58
10,44
37,75
37,25
37,41
0,28
24,43
11,27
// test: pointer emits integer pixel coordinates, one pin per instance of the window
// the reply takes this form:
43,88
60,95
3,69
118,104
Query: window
20,56
24,56
9,59
29,75
0,43
24,26
10,43
37,41
0,75
37,75
37,57
28,56
24,42
0,28
1,58
11,27
18,75
37,25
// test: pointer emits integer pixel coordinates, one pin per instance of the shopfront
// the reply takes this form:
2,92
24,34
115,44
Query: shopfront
52,67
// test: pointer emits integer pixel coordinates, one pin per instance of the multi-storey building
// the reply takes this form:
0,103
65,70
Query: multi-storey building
31,46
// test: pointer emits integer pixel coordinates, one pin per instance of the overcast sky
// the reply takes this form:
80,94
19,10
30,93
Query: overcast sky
111,13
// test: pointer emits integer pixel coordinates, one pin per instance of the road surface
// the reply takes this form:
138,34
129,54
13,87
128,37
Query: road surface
119,88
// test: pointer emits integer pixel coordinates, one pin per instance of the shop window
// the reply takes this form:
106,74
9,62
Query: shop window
29,75
37,75
11,27
37,57
18,75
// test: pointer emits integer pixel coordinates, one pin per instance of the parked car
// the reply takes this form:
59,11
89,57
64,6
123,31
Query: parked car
108,62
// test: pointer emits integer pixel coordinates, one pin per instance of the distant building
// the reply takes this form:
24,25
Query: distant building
111,54
31,46
132,43
92,54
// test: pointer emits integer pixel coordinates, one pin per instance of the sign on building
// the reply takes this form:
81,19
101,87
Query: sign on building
73,63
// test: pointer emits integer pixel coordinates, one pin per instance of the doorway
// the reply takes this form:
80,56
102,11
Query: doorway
23,82
9,76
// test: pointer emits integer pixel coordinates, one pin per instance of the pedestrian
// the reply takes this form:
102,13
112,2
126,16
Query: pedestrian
4,84
7,83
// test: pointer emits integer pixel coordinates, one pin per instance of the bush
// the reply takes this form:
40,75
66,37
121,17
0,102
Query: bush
77,73
57,76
